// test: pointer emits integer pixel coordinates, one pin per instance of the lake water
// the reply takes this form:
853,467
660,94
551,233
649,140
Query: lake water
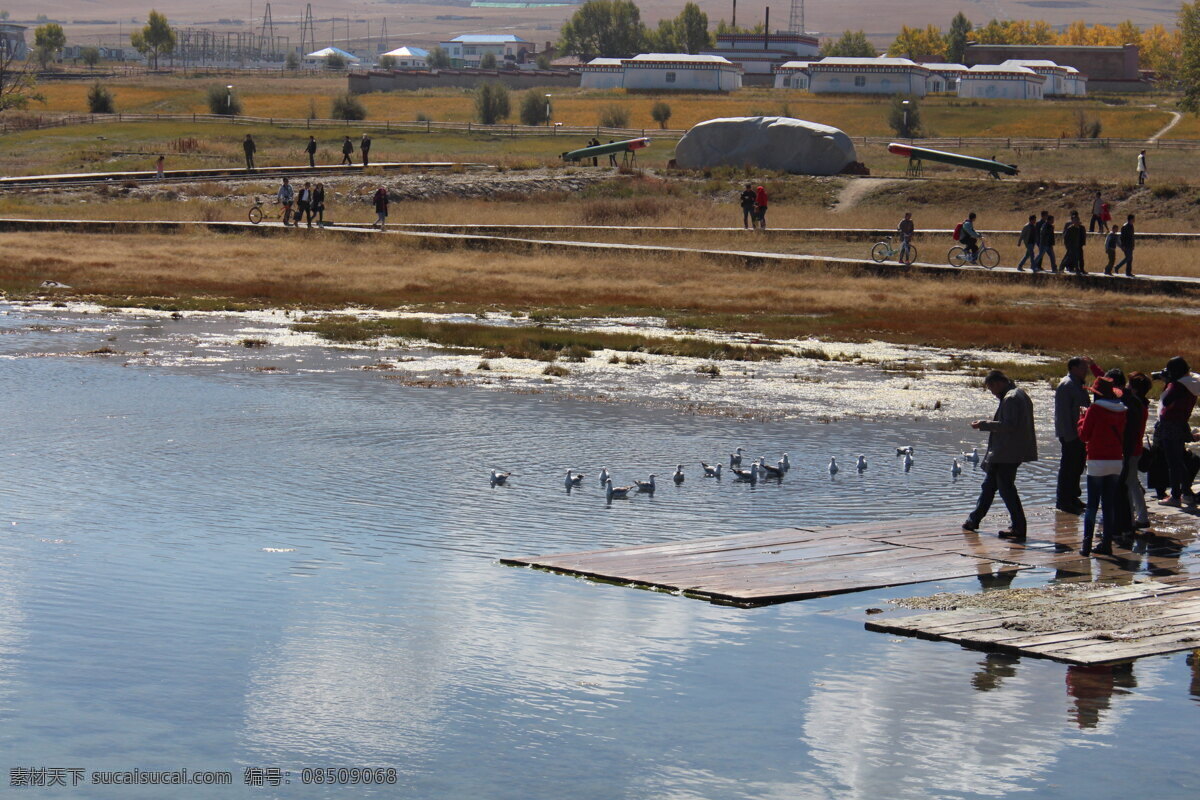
209,567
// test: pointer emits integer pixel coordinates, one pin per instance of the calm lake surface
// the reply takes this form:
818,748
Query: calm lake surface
207,567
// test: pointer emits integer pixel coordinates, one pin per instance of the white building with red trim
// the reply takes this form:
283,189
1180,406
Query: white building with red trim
840,75
943,77
1001,81
663,71
1061,80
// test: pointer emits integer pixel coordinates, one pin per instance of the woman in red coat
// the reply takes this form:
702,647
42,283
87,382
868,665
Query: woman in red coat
760,208
1102,430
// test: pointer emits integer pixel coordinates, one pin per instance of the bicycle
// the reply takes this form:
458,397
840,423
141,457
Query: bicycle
882,251
986,257
256,211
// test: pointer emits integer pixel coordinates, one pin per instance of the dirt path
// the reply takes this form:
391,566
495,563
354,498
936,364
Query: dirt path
1175,117
856,189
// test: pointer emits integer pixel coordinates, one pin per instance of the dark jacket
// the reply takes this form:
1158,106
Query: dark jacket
1028,235
748,198
1069,397
311,147
1127,236
381,201
1074,235
1011,438
318,199
1135,422
347,147
248,146
1046,234
366,143
1110,241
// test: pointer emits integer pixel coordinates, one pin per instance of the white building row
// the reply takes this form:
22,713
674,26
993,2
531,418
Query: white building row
679,71
1014,80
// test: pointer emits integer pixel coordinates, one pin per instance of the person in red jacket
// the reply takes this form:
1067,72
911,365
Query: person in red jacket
1102,430
1173,430
760,208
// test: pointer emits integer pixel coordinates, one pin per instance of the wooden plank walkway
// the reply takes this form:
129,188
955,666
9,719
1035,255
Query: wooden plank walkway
796,563
1169,622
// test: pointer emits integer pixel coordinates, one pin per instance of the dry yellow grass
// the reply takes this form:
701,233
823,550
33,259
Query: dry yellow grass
318,270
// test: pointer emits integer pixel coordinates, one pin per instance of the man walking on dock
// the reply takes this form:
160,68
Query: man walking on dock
365,147
311,149
249,148
1125,241
347,151
1069,399
1011,443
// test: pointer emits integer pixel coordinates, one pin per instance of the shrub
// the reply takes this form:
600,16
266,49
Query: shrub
99,99
223,101
291,60
491,103
904,116
423,117
614,116
90,56
487,61
533,108
387,62
348,107
555,371
438,58
335,61
660,112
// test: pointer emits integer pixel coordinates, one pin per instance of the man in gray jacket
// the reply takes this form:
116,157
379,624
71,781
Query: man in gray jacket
1011,442
1069,398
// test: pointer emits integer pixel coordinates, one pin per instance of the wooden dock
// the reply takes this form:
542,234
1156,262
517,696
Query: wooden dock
1169,621
797,563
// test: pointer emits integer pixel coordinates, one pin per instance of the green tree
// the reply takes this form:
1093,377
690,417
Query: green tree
99,99
291,60
904,116
155,39
17,81
853,44
491,103
487,61
691,29
610,28
1189,62
438,58
348,107
956,38
387,62
533,108
663,39
613,116
724,27
542,60
48,39
660,112
335,61
222,100
90,56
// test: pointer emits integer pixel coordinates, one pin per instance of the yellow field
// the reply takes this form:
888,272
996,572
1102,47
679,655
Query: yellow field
300,97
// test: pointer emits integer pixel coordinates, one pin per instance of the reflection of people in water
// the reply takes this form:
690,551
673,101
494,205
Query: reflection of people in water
994,668
1193,661
1093,688
1002,578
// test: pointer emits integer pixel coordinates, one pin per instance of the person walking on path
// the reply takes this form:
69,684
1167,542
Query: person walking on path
318,204
381,207
1126,241
1111,240
285,196
1173,431
1028,238
1141,168
612,157
1074,238
304,205
1097,215
906,229
311,149
347,151
365,147
1046,244
760,208
1069,399
1102,430
1011,443
748,206
249,148
158,167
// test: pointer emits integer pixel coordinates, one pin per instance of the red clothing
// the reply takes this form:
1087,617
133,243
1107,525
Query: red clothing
1177,402
1102,429
760,197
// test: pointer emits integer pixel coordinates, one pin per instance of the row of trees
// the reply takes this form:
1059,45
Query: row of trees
614,29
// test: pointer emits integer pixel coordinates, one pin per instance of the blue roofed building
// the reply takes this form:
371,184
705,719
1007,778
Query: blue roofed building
468,49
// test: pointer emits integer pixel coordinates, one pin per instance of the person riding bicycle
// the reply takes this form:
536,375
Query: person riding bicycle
286,195
906,229
968,237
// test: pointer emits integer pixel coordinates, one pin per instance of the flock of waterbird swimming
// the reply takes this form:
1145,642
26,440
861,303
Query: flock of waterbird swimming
759,469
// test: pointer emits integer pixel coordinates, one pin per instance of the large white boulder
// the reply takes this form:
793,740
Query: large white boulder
779,143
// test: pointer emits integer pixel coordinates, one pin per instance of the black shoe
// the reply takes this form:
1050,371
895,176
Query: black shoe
1085,549
970,525
1011,536
1104,549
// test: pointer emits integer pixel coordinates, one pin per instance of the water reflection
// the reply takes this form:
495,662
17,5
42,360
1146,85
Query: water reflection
1092,689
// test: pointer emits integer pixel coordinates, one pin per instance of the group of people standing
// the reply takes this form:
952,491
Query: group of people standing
1101,429
1038,237
250,148
309,202
754,207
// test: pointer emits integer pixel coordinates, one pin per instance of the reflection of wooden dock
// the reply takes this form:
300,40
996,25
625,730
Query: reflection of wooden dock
796,563
1169,621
